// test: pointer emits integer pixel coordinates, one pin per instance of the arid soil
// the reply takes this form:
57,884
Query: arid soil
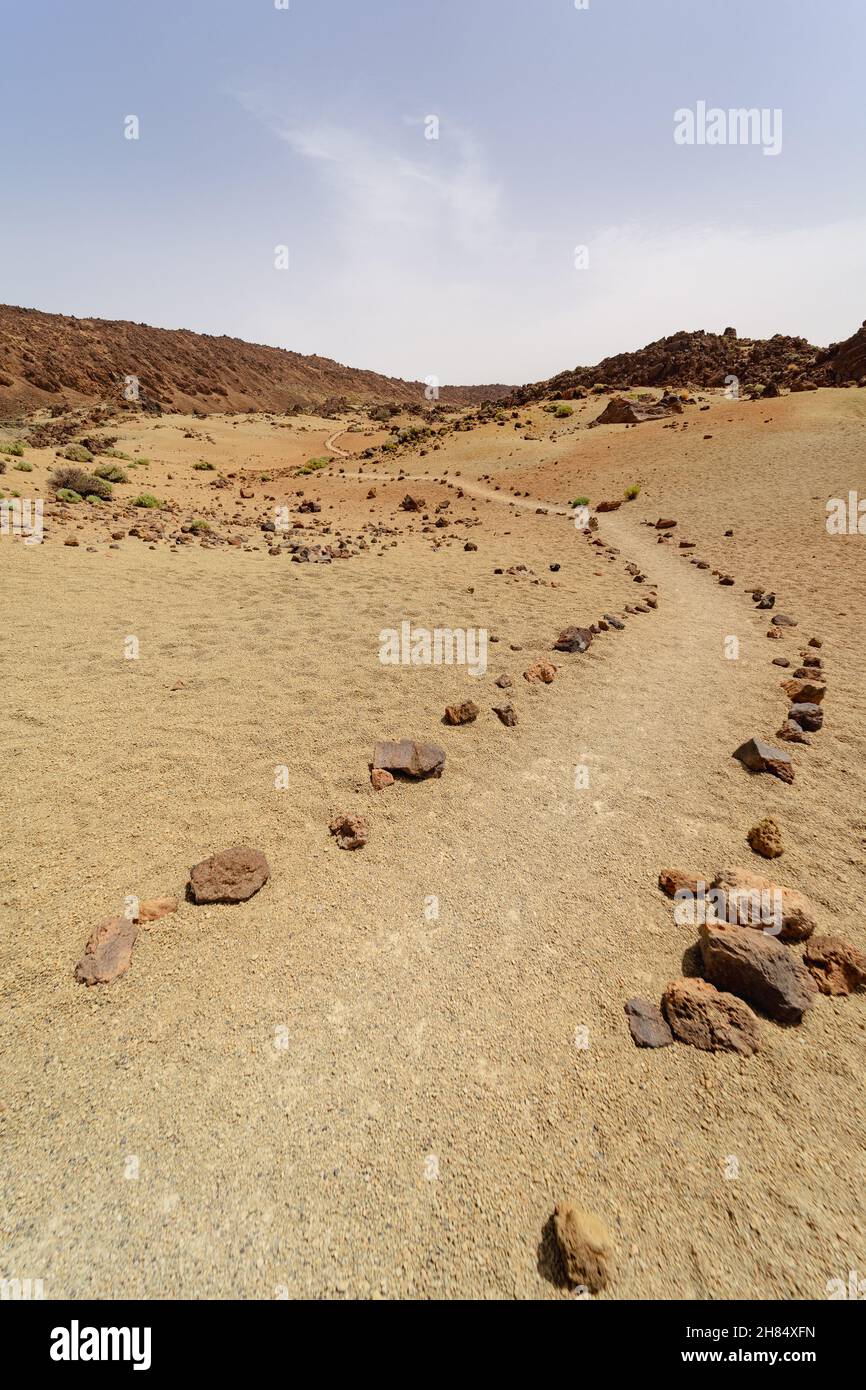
378,1076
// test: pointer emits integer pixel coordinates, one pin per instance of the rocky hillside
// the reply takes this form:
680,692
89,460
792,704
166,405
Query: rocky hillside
54,360
706,359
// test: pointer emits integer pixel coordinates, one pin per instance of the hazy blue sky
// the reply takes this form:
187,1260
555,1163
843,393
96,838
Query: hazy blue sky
454,257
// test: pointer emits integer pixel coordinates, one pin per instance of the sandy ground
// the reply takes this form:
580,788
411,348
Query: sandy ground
329,1091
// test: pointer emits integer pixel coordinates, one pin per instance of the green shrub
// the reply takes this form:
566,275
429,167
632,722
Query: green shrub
202,466
580,502
562,411
146,499
80,481
142,462
198,525
76,453
68,494
24,467
632,492
118,454
92,498
110,473
16,448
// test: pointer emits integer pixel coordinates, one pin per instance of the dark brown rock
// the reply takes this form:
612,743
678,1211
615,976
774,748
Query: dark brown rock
707,1018
507,714
573,639
791,732
804,691
409,758
757,968
758,756
648,1028
807,715
231,876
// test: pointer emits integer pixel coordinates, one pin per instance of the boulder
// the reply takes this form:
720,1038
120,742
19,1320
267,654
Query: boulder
648,1028
108,951
807,715
835,965
710,1019
765,838
584,1245
573,639
231,876
804,690
757,968
752,901
758,756
409,758
464,713
351,832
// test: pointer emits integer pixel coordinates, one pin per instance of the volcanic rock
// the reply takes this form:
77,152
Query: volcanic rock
351,831
506,713
540,671
573,639
707,1018
807,715
464,713
765,838
752,901
231,876
108,951
835,965
409,758
758,756
648,1028
759,969
584,1245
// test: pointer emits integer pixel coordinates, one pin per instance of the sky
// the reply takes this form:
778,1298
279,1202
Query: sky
474,190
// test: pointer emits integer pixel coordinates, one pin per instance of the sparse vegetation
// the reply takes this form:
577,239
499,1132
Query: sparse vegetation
198,525
92,498
110,473
24,467
204,466
68,494
313,466
632,492
16,448
76,453
146,499
580,502
562,411
78,480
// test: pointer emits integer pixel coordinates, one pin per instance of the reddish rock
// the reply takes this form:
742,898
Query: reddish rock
648,1028
804,690
151,909
351,831
835,965
663,525
704,1017
381,779
673,881
757,968
504,681
409,758
584,1245
608,506
412,504
540,671
465,713
790,732
108,951
231,876
752,901
506,713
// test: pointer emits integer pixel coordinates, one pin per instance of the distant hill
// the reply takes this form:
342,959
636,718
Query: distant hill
53,360
706,359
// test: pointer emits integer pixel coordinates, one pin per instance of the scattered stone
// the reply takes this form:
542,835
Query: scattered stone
836,966
412,504
648,1028
504,681
782,620
464,713
781,661
507,714
381,779
351,831
151,909
614,622
804,690
766,601
791,732
759,969
774,633
807,715
108,951
673,881
815,642
663,525
765,838
704,1017
608,506
584,1245
751,901
573,639
409,758
758,756
540,671
231,876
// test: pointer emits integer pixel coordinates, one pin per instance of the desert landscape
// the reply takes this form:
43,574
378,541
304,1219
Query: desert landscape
436,1014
